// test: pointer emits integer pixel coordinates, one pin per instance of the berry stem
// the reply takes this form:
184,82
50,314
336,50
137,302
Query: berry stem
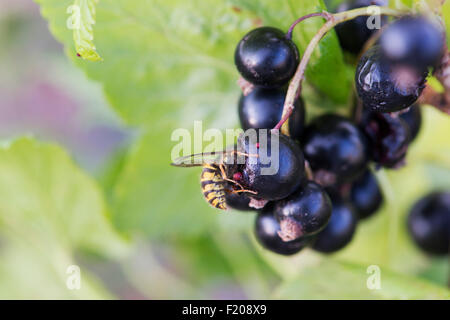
295,85
323,14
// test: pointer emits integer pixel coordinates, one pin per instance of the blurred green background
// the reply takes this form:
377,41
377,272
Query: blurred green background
85,151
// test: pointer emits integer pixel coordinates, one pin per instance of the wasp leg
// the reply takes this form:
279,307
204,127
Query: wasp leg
224,177
244,154
244,190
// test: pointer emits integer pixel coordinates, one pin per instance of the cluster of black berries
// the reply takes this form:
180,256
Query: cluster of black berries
323,185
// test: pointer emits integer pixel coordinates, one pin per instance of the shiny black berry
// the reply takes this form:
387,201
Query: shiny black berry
265,57
386,87
238,201
340,229
275,166
413,118
335,148
429,223
354,33
388,137
266,232
262,109
415,41
303,213
365,195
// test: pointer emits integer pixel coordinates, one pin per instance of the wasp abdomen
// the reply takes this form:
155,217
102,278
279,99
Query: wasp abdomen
213,186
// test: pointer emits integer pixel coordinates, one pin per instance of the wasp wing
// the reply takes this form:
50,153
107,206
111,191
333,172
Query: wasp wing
198,159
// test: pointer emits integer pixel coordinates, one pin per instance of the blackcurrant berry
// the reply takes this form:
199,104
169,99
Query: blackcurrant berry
265,57
354,33
365,195
266,232
335,148
340,229
386,87
303,213
415,41
388,138
429,223
275,165
238,201
262,109
413,118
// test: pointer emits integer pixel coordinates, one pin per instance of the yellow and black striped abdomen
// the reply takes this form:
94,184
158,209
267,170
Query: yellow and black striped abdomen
213,186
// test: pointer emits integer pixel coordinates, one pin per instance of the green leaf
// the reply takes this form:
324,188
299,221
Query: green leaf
202,267
81,21
329,279
50,210
169,63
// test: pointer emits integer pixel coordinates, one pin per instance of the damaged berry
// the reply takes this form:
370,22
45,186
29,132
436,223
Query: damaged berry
304,213
266,232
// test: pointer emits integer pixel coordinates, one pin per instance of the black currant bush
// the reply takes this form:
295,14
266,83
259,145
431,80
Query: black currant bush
171,63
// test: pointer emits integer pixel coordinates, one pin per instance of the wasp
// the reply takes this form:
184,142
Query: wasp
214,179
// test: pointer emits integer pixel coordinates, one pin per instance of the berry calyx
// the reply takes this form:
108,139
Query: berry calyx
303,213
265,57
276,168
353,34
340,229
414,41
262,109
266,232
365,195
335,149
429,223
388,137
386,87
